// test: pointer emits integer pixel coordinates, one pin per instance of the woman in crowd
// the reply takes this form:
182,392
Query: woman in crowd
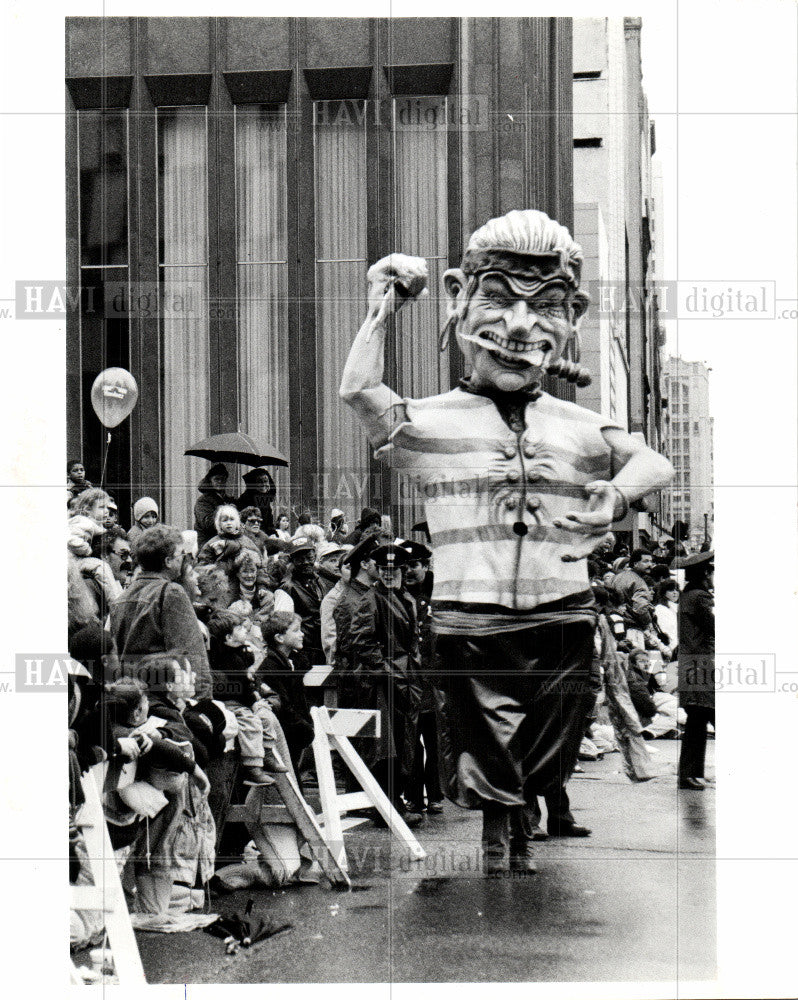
244,578
259,494
251,522
283,530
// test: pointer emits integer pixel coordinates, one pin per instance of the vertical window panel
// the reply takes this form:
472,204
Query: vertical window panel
103,142
104,288
420,147
420,156
339,136
262,274
183,239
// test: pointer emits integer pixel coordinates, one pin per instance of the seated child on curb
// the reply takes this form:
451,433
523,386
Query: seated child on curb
233,667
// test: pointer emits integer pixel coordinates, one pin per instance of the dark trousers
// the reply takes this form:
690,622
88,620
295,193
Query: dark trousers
514,707
426,770
558,807
694,741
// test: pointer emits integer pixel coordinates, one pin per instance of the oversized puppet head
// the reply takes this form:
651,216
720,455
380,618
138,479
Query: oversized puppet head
515,303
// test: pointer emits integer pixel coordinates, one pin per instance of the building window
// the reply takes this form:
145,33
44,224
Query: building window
104,285
183,260
339,146
422,230
262,272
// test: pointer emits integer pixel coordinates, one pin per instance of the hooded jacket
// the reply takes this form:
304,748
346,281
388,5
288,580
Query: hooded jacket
207,505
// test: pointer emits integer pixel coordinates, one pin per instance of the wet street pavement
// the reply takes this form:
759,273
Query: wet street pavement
633,902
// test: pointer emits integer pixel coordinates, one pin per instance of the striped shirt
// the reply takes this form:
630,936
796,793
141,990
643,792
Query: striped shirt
492,493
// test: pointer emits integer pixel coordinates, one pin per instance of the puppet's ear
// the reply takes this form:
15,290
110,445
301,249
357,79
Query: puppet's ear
580,302
454,281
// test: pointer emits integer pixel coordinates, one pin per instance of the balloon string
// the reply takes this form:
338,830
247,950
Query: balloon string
105,459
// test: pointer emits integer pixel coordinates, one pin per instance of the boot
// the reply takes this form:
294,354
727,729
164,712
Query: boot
523,828
256,776
495,838
272,762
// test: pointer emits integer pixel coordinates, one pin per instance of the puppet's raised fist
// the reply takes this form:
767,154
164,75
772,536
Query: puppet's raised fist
394,280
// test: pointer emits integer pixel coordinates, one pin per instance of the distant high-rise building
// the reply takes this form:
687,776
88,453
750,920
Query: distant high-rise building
688,444
614,200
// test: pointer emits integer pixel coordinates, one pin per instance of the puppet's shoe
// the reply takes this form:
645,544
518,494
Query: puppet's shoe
495,839
568,830
522,858
435,807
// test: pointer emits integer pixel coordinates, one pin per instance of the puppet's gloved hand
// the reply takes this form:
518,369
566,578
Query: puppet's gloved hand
394,280
594,523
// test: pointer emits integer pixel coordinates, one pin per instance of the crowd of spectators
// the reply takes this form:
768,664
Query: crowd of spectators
189,647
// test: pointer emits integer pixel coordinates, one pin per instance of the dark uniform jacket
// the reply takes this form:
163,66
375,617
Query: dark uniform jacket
384,639
307,595
696,648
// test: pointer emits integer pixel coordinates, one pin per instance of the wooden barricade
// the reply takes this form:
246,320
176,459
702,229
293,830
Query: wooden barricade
106,895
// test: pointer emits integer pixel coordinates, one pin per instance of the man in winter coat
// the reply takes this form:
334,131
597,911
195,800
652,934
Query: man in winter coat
633,591
307,592
155,614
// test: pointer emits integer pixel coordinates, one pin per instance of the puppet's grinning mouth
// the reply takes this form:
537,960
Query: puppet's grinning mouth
517,352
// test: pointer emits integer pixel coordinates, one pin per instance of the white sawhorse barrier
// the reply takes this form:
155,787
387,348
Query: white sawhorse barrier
106,895
332,731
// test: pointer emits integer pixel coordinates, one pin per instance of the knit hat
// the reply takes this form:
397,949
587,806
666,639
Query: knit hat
145,505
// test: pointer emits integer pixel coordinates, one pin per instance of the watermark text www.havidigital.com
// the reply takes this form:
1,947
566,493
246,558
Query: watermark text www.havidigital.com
39,299
749,673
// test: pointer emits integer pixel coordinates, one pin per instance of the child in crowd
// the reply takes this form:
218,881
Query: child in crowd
145,515
282,635
233,666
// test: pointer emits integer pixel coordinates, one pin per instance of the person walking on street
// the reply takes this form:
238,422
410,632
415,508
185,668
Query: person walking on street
696,665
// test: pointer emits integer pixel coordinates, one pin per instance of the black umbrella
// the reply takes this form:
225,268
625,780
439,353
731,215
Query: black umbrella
239,448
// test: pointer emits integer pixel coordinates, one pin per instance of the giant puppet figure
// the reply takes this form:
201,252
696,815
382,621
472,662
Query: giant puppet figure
519,488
